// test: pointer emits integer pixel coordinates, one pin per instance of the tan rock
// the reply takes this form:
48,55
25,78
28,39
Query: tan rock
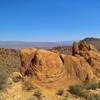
49,67
44,65
91,55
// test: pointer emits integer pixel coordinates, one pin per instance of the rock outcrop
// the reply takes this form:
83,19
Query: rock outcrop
41,64
93,41
49,67
90,54
53,67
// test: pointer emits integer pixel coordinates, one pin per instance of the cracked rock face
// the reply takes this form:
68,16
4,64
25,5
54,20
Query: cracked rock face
41,64
90,54
48,67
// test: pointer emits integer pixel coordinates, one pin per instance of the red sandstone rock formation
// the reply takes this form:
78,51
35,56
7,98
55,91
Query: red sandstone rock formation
49,67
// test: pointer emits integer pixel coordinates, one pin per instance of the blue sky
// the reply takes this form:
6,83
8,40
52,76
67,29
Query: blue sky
49,20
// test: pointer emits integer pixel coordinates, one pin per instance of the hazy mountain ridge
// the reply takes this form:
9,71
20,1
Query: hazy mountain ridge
22,44
67,49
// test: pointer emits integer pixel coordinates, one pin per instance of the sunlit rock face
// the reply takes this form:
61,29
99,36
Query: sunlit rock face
90,54
49,67
41,64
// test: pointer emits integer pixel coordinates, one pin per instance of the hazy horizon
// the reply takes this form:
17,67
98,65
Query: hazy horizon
47,41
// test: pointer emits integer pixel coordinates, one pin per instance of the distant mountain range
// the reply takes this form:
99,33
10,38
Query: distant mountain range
68,49
21,44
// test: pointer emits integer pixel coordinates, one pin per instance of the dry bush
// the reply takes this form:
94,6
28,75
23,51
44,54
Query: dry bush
3,80
28,85
93,97
60,92
90,85
75,90
9,62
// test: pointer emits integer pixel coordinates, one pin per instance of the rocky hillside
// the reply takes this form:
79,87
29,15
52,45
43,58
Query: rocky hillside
9,62
46,66
47,75
93,41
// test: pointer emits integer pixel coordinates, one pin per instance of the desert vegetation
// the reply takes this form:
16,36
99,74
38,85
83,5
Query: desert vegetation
60,92
3,80
84,90
38,74
9,62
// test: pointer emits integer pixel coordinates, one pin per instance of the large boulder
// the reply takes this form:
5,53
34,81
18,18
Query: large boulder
41,64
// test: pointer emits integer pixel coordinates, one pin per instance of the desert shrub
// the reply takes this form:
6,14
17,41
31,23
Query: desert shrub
37,94
99,85
76,90
9,62
2,97
93,97
60,92
65,98
3,80
82,94
33,98
27,85
91,85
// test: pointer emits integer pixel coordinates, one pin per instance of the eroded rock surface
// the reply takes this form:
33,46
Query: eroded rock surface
41,64
90,54
49,67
